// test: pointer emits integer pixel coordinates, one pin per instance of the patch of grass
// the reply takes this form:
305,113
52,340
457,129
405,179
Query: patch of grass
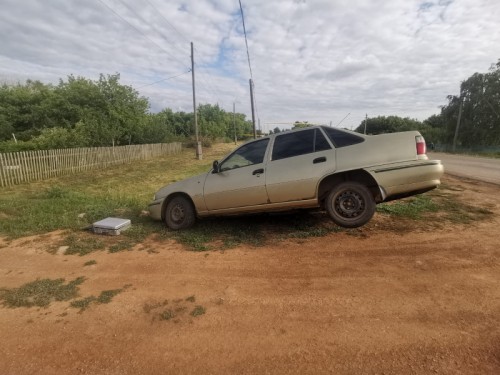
107,295
462,213
83,303
120,191
256,230
436,206
191,299
167,315
148,307
90,263
198,310
413,207
121,246
55,192
40,293
82,245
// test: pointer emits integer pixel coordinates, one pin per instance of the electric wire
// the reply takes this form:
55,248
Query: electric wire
165,19
164,79
152,26
139,31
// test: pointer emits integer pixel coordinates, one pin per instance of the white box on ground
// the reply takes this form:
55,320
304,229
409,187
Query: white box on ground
111,225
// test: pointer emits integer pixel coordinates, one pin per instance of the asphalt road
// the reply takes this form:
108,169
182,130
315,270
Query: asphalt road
477,168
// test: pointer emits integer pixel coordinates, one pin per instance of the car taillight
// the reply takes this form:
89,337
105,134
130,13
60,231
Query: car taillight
421,148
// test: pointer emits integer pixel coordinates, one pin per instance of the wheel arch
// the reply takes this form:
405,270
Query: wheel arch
358,175
167,200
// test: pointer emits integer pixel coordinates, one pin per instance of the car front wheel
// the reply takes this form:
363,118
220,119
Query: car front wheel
350,204
180,213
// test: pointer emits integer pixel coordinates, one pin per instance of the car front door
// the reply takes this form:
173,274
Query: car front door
240,179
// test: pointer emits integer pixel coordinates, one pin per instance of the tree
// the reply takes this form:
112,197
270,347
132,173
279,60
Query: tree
389,124
300,124
480,120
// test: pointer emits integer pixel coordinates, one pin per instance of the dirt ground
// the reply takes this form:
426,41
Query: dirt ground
386,302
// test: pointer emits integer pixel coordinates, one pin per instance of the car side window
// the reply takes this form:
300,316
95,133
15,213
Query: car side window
320,142
249,154
299,143
342,139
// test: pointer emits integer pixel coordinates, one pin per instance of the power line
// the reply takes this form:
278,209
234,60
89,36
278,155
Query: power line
209,90
162,16
139,31
211,87
165,79
152,26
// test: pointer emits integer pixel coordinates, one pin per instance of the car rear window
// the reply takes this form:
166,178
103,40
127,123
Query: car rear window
340,138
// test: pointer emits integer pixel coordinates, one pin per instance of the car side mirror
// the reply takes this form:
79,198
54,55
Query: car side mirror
215,167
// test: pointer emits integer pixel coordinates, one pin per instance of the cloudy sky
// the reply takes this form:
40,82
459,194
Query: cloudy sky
312,60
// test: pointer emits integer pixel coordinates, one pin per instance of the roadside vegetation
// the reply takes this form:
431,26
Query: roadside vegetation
79,112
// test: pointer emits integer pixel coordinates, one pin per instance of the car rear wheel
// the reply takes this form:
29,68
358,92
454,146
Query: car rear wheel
350,204
180,213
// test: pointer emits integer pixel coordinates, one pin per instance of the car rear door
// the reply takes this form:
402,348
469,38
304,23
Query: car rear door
298,161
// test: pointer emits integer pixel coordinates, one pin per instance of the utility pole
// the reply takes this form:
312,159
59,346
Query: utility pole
366,120
458,124
253,110
234,121
199,151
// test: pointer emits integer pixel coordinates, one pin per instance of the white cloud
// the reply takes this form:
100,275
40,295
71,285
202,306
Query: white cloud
315,60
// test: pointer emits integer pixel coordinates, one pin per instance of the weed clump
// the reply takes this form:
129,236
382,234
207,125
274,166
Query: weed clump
40,293
198,310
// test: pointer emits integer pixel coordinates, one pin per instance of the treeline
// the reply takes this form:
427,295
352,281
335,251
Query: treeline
80,112
479,126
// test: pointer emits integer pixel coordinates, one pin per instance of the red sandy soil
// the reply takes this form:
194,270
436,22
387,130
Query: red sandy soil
416,301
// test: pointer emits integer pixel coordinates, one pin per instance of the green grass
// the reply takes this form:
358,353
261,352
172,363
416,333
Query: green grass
122,191
105,297
83,303
413,208
257,230
90,263
40,293
198,310
167,315
82,245
440,205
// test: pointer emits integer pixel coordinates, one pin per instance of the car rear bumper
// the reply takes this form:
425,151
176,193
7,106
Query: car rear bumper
409,177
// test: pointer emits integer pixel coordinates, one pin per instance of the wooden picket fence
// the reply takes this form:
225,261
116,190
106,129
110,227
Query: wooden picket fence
22,167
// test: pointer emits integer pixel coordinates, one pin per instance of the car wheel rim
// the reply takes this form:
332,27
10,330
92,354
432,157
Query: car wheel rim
177,214
349,204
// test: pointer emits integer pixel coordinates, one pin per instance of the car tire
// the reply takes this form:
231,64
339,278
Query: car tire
180,213
350,204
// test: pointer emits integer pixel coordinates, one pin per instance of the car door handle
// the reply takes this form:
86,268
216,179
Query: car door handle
319,160
258,171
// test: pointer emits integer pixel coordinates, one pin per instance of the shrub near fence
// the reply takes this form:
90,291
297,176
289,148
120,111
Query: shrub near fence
22,167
